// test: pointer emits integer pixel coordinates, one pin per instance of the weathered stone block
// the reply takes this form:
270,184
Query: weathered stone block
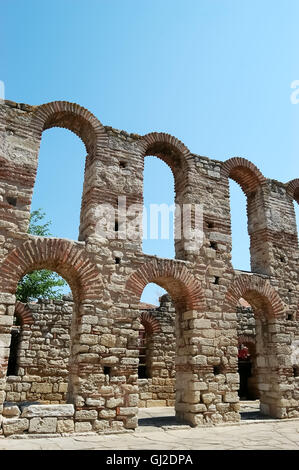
83,426
63,387
99,402
89,339
128,411
207,398
65,426
108,340
155,403
200,323
48,411
133,399
42,425
199,360
100,425
41,388
15,426
231,397
11,411
84,415
107,413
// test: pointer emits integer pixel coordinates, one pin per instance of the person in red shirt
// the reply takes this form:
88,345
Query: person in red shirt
243,352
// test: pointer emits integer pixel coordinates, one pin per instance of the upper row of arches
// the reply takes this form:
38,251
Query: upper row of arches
171,150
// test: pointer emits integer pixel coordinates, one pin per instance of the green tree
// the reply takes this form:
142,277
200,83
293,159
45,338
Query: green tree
41,284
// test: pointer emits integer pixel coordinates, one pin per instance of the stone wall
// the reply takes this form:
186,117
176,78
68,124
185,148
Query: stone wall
158,388
43,354
107,275
41,420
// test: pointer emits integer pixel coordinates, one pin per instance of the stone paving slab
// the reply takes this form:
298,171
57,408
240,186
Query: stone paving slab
279,435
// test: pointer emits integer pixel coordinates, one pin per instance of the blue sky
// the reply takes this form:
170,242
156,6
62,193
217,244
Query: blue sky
216,74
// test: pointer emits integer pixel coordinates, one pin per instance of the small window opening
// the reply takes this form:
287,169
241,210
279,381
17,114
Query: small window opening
107,370
123,164
116,226
117,260
12,367
210,224
142,372
216,280
213,245
289,316
296,371
12,201
142,367
217,370
282,259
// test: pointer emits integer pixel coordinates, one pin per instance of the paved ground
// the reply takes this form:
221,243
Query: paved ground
158,430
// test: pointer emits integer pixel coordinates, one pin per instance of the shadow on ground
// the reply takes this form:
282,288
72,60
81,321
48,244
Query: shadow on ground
160,421
253,415
165,417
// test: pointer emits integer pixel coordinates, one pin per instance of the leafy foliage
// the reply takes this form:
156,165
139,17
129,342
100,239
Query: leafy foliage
42,284
35,228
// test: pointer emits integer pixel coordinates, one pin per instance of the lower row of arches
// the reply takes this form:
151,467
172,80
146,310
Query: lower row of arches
38,366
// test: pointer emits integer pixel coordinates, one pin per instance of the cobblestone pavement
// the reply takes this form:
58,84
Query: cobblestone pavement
158,430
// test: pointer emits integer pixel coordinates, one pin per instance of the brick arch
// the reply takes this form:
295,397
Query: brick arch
23,312
73,117
62,256
258,292
293,189
173,152
151,323
174,277
245,173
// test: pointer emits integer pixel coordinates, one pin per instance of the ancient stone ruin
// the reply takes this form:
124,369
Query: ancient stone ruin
82,364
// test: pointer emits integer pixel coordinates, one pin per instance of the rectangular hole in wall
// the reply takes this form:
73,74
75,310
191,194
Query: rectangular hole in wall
142,372
12,201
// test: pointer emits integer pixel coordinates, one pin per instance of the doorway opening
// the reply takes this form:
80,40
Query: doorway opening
156,370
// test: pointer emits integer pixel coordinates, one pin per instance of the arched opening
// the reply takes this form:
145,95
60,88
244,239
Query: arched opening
271,367
246,351
245,214
156,370
189,304
41,284
239,228
93,134
39,362
143,340
14,349
59,192
151,294
246,356
71,262
254,354
159,200
172,183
